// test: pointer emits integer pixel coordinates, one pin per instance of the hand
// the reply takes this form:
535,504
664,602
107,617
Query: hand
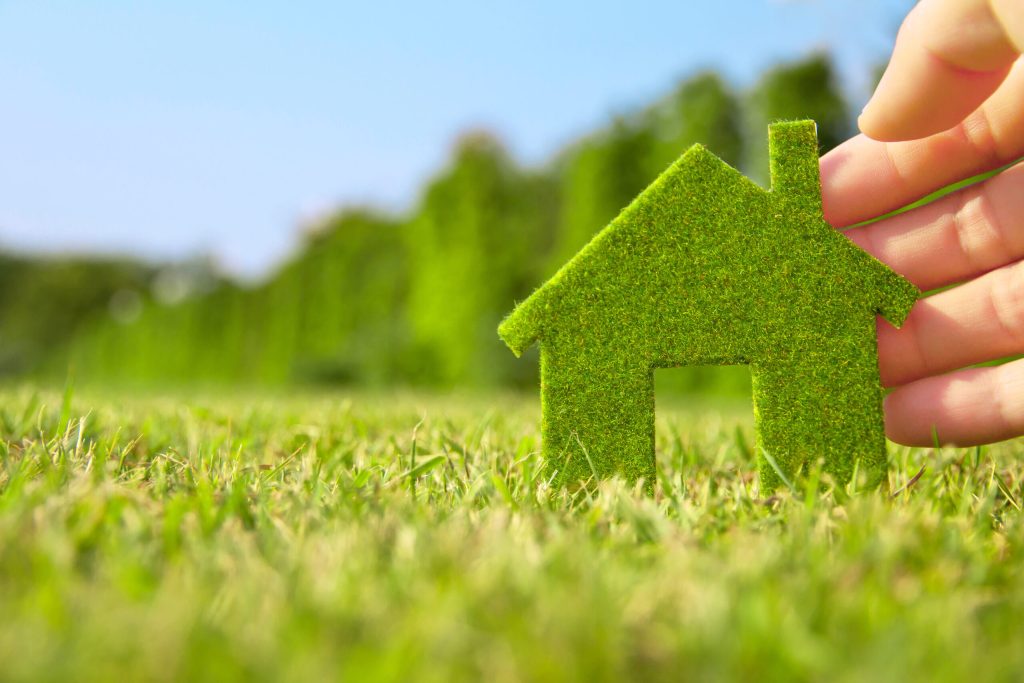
950,106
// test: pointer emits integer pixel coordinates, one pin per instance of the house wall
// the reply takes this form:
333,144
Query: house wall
821,404
597,414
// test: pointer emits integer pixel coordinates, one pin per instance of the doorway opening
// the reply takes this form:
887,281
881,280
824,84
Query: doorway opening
698,410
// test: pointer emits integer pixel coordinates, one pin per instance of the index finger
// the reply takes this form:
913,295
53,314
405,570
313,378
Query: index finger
950,55
864,178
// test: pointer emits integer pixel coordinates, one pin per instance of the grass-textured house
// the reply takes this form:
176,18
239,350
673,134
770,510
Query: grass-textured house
707,267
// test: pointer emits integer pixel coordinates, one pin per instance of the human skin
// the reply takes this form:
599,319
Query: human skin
949,106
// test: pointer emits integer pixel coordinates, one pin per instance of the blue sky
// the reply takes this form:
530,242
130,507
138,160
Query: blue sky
169,129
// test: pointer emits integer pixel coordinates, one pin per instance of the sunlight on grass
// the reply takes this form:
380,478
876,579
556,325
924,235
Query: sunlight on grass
375,537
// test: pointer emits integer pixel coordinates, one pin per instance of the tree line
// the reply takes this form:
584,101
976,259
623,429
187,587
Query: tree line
377,299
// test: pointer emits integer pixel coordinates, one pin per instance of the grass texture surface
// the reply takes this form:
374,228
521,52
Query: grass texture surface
705,267
324,537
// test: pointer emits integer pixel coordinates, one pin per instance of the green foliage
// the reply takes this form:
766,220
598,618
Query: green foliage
373,300
705,267
44,301
329,315
260,538
476,230
355,274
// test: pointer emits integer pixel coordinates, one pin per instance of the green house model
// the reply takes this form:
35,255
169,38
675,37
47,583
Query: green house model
706,267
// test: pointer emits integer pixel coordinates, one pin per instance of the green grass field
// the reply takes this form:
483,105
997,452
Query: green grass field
365,538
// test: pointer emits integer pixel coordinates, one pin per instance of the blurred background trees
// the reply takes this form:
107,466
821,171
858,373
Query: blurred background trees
370,299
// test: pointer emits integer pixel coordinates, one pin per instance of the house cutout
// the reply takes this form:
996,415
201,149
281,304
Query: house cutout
705,267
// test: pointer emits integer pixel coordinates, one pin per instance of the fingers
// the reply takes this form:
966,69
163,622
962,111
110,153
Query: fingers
864,178
964,408
950,55
956,238
1009,15
951,93
980,321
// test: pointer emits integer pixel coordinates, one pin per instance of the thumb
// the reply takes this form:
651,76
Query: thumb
950,55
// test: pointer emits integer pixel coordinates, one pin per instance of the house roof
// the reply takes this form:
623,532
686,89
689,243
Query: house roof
717,205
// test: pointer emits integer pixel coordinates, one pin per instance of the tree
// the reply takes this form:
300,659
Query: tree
476,232
354,283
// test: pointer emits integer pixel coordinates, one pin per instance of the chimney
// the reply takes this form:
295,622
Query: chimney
793,153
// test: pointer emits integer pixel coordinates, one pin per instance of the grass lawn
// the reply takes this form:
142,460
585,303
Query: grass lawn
325,536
